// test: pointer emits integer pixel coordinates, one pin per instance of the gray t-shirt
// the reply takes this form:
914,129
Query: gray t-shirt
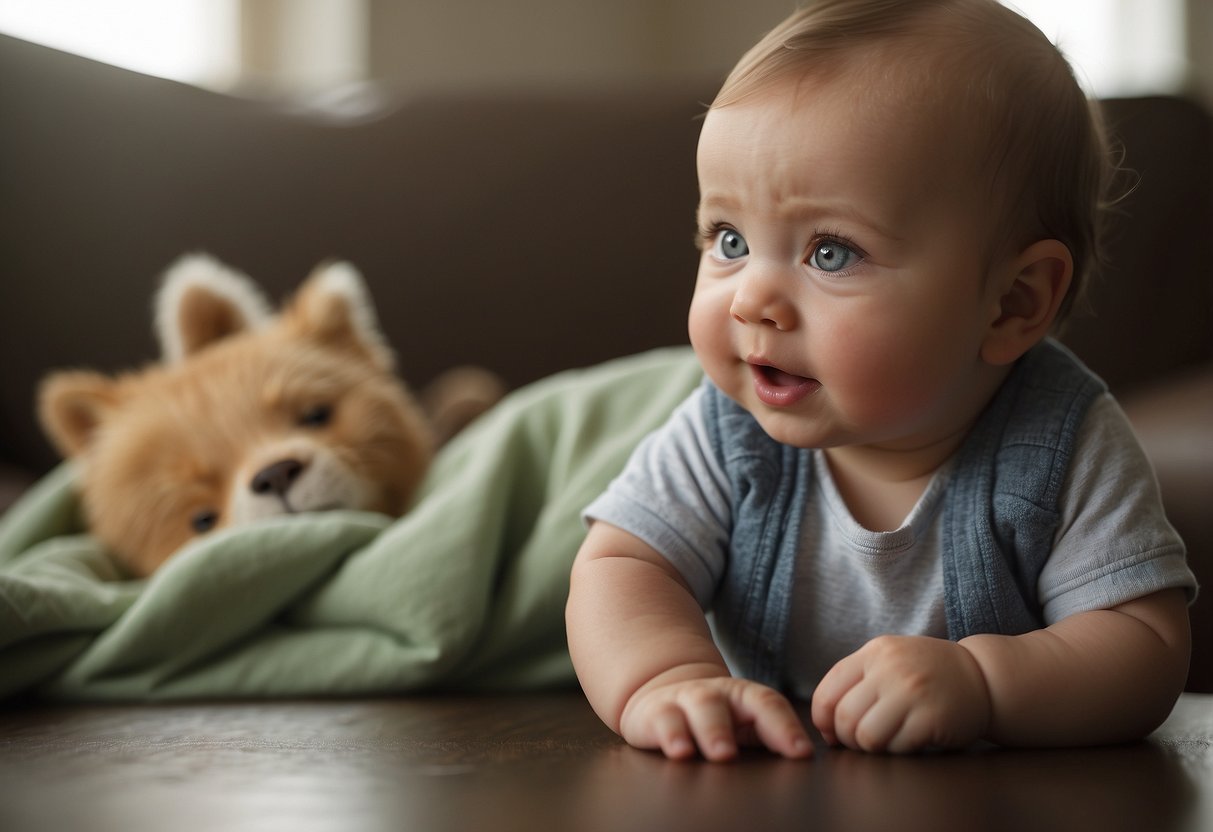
853,584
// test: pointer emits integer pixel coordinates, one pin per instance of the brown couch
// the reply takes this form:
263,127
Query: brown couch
527,233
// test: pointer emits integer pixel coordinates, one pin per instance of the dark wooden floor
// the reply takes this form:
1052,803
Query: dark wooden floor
544,762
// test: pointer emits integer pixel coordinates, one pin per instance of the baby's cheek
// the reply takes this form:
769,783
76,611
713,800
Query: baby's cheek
708,324
880,377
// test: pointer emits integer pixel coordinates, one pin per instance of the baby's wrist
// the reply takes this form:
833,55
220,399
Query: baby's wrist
972,649
689,672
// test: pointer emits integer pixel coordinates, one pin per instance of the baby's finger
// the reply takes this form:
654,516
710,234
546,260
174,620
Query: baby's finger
776,724
850,711
671,732
711,723
834,685
914,734
880,725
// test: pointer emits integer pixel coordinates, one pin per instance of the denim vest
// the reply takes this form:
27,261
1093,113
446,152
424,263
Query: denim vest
999,511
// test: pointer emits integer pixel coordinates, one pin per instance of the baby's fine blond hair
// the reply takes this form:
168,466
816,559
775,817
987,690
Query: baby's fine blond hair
1036,137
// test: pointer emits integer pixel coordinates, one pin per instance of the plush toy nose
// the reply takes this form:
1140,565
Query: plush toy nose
276,478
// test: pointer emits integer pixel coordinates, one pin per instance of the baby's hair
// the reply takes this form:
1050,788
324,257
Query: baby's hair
1040,141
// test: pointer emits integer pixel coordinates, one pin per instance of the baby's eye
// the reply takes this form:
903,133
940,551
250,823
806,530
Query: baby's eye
204,520
832,256
729,245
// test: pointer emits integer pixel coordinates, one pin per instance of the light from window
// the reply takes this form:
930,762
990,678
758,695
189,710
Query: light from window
187,40
1117,47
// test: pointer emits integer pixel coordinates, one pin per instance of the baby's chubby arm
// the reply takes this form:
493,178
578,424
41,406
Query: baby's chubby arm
1095,677
646,660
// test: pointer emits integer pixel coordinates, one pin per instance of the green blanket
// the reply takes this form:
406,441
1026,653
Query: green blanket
467,590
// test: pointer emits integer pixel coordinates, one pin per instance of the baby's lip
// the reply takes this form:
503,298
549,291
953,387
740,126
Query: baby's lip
777,387
776,373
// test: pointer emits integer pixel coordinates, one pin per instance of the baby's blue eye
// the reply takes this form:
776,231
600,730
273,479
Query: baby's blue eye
832,256
729,245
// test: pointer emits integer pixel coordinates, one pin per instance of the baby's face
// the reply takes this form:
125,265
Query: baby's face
842,294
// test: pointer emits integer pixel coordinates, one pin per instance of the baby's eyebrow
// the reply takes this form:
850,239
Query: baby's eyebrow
704,230
799,209
710,203
717,201
826,211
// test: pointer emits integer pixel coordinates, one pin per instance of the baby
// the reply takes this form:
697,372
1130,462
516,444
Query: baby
895,494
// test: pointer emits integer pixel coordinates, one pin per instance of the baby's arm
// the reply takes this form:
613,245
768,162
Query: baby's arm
1094,677
646,660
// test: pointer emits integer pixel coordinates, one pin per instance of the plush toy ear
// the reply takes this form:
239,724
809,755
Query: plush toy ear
201,301
72,405
334,307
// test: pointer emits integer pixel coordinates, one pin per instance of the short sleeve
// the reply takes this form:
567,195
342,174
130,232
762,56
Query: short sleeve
1114,543
673,494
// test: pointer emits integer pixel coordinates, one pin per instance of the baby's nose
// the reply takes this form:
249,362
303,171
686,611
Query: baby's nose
760,300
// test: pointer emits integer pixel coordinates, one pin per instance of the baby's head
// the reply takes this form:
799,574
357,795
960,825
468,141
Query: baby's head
988,84
897,199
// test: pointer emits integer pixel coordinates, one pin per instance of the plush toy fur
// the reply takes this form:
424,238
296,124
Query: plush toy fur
248,415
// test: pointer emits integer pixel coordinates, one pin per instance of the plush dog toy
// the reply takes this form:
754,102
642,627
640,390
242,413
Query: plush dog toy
249,415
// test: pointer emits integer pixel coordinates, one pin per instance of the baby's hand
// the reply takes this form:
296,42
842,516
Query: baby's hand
715,715
903,693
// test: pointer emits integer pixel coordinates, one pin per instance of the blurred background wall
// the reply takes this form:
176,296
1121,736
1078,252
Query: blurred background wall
538,42
300,47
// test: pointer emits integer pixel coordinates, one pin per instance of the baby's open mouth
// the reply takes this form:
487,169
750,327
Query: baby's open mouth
778,377
779,388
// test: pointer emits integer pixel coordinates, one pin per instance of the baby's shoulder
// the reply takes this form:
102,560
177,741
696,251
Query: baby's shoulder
1107,453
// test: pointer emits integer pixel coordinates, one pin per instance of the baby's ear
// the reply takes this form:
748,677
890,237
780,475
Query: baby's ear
201,301
1036,282
72,405
334,307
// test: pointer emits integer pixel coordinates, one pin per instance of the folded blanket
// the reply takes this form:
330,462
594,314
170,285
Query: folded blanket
467,590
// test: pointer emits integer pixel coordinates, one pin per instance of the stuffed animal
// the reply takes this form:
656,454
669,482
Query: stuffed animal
247,416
